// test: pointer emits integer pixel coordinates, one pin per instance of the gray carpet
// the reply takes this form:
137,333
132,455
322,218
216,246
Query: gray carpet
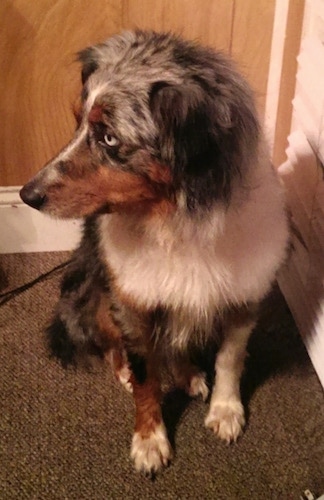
65,434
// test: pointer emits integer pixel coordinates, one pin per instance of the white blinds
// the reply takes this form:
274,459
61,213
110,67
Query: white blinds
302,280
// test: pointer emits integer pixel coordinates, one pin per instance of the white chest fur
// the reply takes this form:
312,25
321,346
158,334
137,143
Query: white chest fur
200,263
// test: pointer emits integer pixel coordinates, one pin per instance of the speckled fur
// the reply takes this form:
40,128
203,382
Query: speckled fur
184,225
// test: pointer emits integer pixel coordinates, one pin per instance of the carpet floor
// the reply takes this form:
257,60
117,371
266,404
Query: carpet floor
65,434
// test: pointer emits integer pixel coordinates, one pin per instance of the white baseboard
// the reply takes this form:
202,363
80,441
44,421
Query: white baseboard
23,229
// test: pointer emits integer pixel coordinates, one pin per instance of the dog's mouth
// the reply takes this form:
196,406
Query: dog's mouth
34,197
66,202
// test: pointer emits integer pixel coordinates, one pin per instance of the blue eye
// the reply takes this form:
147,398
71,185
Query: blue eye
110,140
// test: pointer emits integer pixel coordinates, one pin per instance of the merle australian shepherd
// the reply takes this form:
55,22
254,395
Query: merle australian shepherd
184,226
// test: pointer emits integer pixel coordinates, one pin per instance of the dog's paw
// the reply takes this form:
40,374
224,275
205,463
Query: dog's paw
124,375
198,386
151,453
226,419
117,360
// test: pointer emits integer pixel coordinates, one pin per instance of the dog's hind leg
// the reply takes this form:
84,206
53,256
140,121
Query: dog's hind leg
226,412
188,377
73,332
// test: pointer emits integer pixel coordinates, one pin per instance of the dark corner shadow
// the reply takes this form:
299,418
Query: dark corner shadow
174,405
176,401
275,346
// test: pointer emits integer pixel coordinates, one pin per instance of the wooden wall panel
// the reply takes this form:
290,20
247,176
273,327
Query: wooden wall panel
208,21
251,42
243,28
39,79
288,79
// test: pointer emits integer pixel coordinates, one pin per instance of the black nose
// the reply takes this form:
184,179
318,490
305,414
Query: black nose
32,196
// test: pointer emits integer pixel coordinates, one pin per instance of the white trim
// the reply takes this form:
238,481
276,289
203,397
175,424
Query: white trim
302,281
24,229
309,318
275,69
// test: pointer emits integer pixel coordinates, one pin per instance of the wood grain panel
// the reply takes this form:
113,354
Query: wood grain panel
288,78
208,21
39,78
251,42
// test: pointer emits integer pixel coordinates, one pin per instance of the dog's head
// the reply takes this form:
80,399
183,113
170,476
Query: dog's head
160,120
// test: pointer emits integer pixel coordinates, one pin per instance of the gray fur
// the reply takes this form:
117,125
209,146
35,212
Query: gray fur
179,106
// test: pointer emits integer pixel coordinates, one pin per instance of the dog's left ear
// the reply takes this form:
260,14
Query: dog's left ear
201,133
180,112
89,61
192,129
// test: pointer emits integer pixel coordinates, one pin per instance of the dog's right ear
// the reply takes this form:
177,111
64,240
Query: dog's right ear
88,59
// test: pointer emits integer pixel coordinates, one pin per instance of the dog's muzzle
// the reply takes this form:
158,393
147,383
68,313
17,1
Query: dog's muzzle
32,196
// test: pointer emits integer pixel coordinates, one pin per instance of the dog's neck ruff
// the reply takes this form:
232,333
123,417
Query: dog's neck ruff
200,263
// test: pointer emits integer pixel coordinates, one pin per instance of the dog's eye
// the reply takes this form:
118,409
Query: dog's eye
110,140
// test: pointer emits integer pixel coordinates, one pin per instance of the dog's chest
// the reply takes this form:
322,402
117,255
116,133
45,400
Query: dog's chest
198,265
179,273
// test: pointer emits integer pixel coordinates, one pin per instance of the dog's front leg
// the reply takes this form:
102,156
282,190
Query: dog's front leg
150,449
226,412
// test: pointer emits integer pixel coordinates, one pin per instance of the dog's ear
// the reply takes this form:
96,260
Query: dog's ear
89,61
207,133
195,137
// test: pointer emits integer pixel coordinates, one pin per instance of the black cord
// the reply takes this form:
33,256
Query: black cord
6,297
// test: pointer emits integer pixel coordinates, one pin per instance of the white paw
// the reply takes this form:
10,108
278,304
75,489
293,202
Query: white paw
226,419
198,386
124,375
151,453
120,366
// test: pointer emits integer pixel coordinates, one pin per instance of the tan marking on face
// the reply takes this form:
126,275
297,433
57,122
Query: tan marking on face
95,114
159,173
76,196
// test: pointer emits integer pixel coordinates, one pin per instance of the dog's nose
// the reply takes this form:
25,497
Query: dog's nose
32,196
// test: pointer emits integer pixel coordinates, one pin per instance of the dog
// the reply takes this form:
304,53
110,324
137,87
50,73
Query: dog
185,226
